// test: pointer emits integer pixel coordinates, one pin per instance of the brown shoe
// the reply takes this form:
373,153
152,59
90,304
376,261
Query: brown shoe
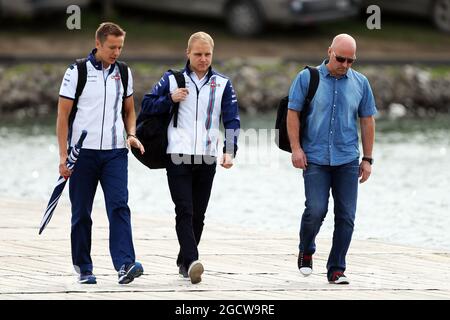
195,272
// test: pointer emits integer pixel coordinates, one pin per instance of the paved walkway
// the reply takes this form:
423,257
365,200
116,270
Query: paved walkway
240,264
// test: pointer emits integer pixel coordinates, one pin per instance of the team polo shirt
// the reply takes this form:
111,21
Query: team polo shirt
99,109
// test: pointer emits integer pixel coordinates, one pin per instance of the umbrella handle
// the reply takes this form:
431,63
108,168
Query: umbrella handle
73,156
79,144
74,153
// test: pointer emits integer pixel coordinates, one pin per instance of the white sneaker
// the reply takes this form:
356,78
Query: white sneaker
305,264
306,271
338,277
195,271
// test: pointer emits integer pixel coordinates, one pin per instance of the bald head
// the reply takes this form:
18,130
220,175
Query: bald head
341,51
344,41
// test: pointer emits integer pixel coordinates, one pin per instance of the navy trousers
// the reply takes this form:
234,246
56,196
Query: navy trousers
190,186
110,168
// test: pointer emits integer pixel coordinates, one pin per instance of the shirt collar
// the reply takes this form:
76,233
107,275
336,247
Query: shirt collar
324,70
98,64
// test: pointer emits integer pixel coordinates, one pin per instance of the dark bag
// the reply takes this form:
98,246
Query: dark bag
281,136
152,133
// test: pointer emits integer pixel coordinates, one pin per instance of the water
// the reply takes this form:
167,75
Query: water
406,200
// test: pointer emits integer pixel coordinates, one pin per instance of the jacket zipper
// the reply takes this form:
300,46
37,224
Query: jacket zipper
196,116
196,109
196,113
104,106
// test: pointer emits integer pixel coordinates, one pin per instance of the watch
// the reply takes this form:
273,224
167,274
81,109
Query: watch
369,160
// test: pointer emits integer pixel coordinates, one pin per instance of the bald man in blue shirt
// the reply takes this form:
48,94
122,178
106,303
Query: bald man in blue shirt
329,150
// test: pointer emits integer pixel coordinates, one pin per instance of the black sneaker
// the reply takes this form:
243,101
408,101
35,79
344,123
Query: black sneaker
127,273
182,270
87,278
338,277
195,271
305,264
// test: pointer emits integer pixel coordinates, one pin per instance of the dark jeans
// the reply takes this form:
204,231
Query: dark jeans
190,186
109,167
343,182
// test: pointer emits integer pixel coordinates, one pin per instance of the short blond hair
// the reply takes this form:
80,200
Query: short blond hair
200,36
108,28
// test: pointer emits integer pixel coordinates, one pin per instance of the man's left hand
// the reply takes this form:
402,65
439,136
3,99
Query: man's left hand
134,142
365,169
226,161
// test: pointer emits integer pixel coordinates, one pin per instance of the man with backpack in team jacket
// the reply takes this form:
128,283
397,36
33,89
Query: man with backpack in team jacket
96,96
192,135
324,144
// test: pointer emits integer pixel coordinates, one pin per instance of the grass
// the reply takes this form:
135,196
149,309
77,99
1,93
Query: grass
142,25
393,29
440,72
137,24
15,70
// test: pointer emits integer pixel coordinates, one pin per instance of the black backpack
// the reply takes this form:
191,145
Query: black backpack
82,78
281,136
151,130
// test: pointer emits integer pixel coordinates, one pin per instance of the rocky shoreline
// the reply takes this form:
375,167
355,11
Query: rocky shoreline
31,90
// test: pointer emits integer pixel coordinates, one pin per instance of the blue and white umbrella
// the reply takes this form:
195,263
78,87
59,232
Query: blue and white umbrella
73,156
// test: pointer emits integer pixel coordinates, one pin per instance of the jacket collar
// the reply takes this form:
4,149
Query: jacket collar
98,64
189,71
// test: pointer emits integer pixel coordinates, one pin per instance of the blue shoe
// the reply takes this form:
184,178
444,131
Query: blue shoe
87,278
127,273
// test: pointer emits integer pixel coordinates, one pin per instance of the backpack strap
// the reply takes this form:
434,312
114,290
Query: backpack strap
81,82
181,82
82,77
123,69
313,84
312,88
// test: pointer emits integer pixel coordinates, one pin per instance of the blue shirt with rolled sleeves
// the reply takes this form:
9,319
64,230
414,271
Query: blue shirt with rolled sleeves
330,135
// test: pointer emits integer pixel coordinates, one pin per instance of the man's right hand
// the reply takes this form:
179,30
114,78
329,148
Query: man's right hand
63,171
299,159
179,95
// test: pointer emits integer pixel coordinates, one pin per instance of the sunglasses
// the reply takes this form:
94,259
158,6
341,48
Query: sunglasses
343,59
